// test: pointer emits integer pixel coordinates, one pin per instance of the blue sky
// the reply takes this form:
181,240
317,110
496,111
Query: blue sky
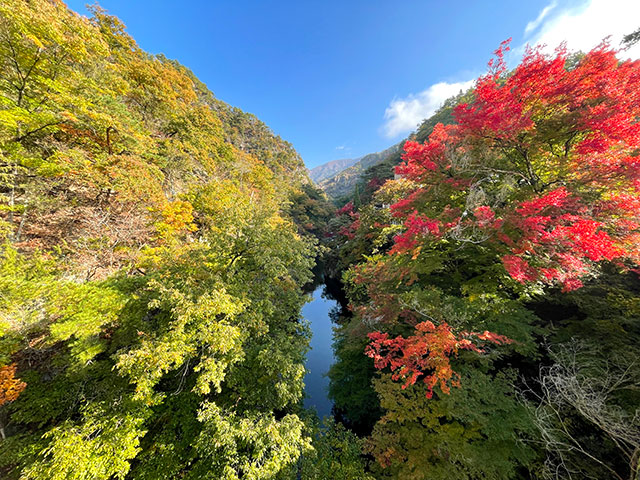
344,78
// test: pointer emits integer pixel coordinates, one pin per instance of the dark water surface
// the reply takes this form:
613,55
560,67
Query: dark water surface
320,357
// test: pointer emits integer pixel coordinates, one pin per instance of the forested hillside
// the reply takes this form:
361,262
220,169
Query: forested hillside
151,268
329,169
156,245
493,321
343,182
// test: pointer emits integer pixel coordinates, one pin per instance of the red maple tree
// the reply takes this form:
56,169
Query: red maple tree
542,166
426,354
554,150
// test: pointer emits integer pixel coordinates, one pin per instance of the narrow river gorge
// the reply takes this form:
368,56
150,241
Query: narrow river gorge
320,356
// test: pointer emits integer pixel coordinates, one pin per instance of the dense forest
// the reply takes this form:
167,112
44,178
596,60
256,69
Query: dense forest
493,284
157,246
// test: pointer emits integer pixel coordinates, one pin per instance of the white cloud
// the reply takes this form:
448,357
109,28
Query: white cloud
531,26
403,115
585,26
340,147
581,28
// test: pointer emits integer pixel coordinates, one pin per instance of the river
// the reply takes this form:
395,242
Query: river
320,356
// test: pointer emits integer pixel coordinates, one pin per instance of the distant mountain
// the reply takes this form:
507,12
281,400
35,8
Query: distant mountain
343,182
378,167
329,169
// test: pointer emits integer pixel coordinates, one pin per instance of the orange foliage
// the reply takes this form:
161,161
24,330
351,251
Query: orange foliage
10,386
426,354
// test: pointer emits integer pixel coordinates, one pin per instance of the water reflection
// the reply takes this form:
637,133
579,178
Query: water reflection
320,357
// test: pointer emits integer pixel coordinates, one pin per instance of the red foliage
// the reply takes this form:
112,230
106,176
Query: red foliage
552,154
417,226
425,354
347,209
407,205
375,183
567,243
350,230
571,138
420,160
484,214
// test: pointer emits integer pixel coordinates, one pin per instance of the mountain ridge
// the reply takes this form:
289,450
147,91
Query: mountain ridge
343,182
331,168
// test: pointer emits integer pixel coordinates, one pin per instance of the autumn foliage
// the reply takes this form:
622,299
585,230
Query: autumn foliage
426,354
542,168
151,264
543,163
10,386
